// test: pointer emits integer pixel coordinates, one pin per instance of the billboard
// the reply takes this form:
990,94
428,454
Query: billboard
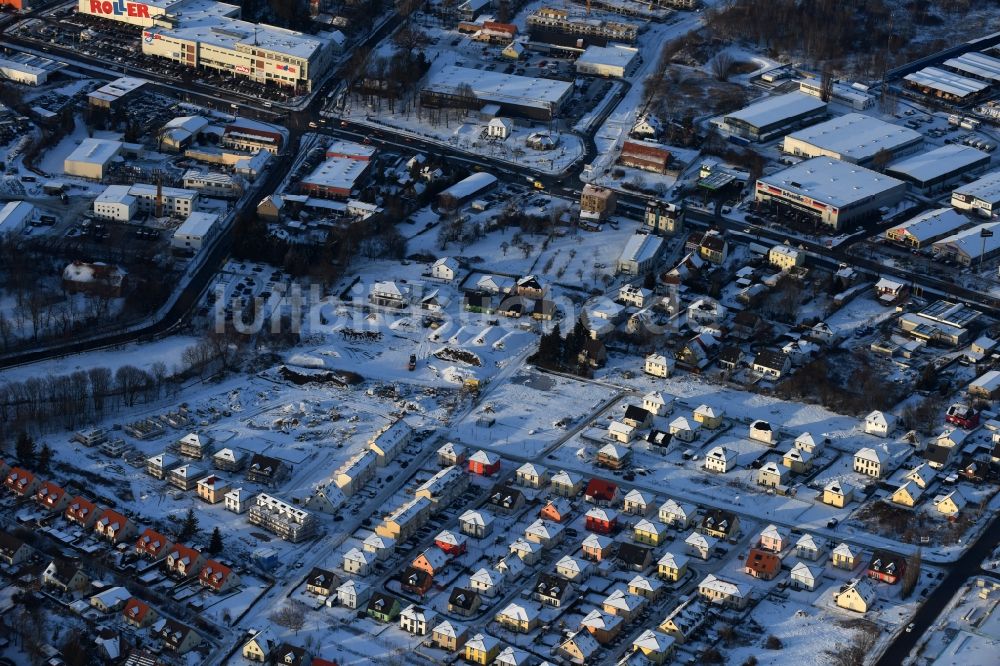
117,8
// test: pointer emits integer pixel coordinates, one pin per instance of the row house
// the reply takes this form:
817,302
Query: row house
114,527
390,441
444,487
51,497
152,545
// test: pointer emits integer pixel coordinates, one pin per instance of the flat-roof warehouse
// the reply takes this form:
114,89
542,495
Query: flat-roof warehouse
939,168
981,196
830,192
773,116
537,98
853,137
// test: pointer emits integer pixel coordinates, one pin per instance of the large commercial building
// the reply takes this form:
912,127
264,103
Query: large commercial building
981,196
205,33
927,227
15,216
853,137
155,12
614,60
771,117
92,158
537,98
262,53
939,168
116,93
27,68
334,178
829,191
123,202
855,96
546,21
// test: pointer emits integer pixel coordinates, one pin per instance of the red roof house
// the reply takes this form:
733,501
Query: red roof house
138,613
183,560
452,543
600,492
51,496
81,511
152,545
217,577
113,526
21,482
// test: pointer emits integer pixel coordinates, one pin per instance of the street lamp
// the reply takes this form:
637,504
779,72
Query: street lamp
983,234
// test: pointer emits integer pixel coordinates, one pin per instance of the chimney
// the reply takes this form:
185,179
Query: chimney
159,196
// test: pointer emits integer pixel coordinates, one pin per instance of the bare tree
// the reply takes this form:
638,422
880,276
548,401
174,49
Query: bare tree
722,66
290,616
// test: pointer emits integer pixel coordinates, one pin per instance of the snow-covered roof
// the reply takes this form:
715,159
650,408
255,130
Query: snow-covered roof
612,55
470,185
856,137
830,181
197,225
938,163
641,248
985,189
498,87
673,560
777,109
971,242
931,224
976,64
724,587
946,82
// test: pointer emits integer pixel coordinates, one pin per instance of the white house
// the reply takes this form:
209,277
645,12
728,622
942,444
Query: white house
358,562
804,577
658,365
445,268
720,459
677,515
683,430
654,403
879,424
499,128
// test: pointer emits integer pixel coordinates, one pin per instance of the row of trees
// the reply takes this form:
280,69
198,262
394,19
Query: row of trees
556,352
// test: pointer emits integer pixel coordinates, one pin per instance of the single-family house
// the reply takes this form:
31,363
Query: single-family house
531,475
601,520
683,430
809,547
838,493
579,648
762,564
772,475
597,547
487,582
700,545
677,514
353,594
859,595
773,539
720,460
672,566
382,607
601,492
477,524
566,484
449,635
886,566
637,502
804,577
484,463
417,620
521,618
845,556
464,601
544,533
649,532
879,424
482,649
658,365
574,569
602,625
725,592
